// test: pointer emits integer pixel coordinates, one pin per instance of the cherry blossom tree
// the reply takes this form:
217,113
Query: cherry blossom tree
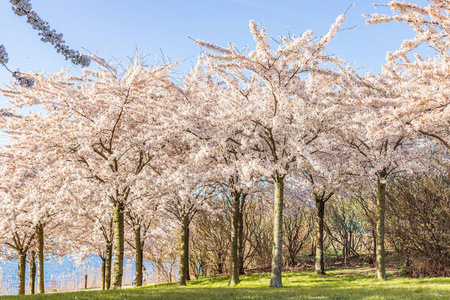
142,217
421,82
162,248
272,103
298,224
326,175
106,125
31,271
384,145
231,177
188,193
86,208
235,194
17,232
32,184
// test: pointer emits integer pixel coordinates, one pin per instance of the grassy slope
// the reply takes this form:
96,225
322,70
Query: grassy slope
341,284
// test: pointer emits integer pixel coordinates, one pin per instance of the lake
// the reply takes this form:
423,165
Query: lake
65,275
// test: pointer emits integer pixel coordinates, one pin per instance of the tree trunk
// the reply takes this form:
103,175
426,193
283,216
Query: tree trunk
374,237
32,272
313,248
118,246
142,262
292,256
380,256
103,273
241,237
184,258
108,266
275,278
22,261
40,240
138,256
188,274
234,276
159,266
220,263
320,211
344,252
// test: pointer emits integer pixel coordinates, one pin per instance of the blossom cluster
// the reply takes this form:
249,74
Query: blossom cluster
48,35
3,55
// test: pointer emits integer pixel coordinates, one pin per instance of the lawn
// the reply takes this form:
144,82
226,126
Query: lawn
339,284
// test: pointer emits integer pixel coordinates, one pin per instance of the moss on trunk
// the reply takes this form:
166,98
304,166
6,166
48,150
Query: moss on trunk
108,266
40,241
184,257
118,218
275,278
21,256
31,272
381,206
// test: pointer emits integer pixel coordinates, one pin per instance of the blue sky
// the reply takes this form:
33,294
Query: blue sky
116,28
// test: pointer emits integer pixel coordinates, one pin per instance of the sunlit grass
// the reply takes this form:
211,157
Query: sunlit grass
341,284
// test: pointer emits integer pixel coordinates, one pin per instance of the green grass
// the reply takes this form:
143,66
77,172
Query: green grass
341,284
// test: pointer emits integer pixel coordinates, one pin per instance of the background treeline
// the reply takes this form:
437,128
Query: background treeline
417,231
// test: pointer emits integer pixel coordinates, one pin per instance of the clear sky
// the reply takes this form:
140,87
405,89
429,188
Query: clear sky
116,28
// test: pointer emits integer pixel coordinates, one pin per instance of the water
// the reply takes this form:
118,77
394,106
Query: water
64,274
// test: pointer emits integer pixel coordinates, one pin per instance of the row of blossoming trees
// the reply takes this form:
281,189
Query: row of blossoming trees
128,155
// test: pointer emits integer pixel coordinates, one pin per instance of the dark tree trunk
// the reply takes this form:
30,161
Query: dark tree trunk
313,248
220,263
142,261
188,274
241,236
241,247
138,255
234,276
103,273
374,237
159,267
344,252
275,278
320,212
